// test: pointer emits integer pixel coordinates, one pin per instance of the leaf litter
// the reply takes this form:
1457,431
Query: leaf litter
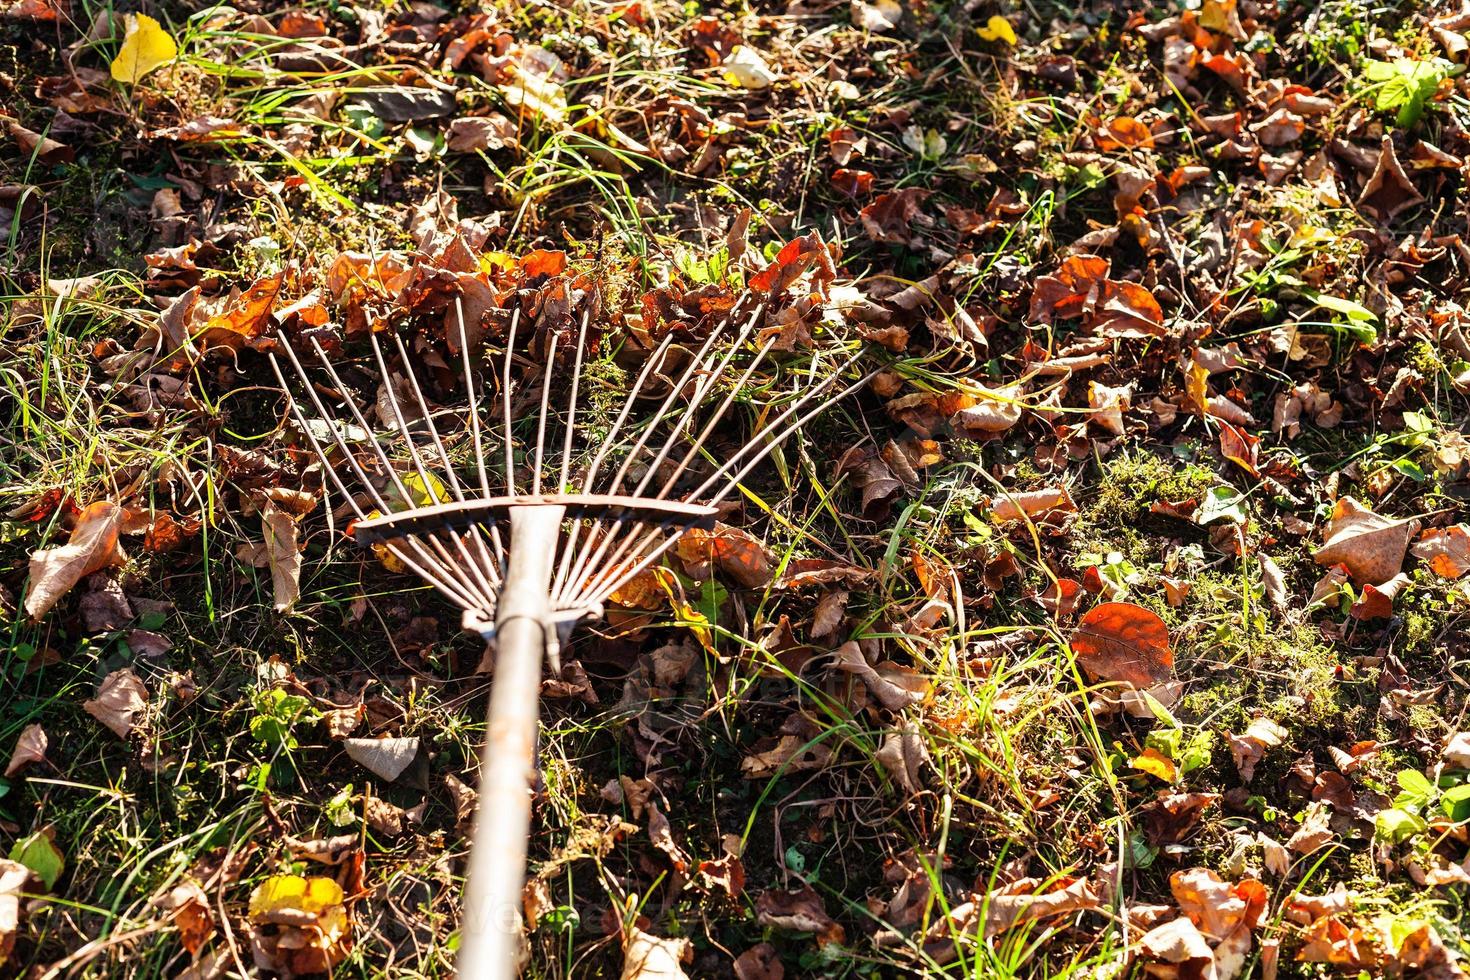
1169,421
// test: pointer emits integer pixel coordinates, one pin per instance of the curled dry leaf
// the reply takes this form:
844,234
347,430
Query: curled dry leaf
313,930
734,552
798,911
1376,602
120,700
893,686
648,957
283,552
759,962
901,755
1371,546
190,912
1014,506
92,547
30,747
1124,642
13,879
1249,748
1445,549
386,758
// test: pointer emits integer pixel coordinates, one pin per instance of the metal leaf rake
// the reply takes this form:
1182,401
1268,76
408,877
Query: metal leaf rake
528,538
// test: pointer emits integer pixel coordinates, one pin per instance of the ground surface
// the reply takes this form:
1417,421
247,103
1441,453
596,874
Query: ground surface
1168,304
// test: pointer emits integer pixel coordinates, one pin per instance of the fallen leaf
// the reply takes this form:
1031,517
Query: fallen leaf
190,913
759,962
1376,601
1014,506
1389,192
1248,748
1156,764
648,957
901,755
386,758
744,67
1446,549
1371,546
894,687
14,878
1122,641
1315,830
30,747
734,552
313,931
997,28
92,546
121,699
879,16
146,46
283,553
798,911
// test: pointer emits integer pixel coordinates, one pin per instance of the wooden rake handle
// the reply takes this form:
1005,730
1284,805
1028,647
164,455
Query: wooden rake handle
490,929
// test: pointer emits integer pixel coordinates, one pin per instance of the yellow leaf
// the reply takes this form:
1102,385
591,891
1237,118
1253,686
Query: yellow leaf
1156,764
146,46
997,29
293,893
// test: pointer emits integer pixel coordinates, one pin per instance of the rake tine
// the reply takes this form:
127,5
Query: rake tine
709,428
544,410
475,433
695,363
704,386
485,601
572,546
765,446
439,577
594,585
566,450
510,346
486,578
469,385
586,558
489,565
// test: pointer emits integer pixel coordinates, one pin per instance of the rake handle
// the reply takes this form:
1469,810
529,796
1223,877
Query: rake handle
490,929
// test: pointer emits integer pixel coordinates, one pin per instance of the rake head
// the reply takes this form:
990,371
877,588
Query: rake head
530,496
435,485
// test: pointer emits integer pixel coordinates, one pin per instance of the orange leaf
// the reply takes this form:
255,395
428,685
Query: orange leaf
1124,132
1122,641
93,546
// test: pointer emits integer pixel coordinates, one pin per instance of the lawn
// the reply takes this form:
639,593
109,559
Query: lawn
1113,626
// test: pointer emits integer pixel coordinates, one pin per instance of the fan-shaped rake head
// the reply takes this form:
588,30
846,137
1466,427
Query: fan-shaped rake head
535,526
435,486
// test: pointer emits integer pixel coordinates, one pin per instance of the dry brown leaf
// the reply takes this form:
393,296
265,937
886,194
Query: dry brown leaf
1315,830
901,755
121,699
91,547
1249,748
1370,545
734,552
1389,191
894,687
1376,601
759,962
648,957
1180,941
1022,901
1014,506
190,913
798,911
283,552
30,747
